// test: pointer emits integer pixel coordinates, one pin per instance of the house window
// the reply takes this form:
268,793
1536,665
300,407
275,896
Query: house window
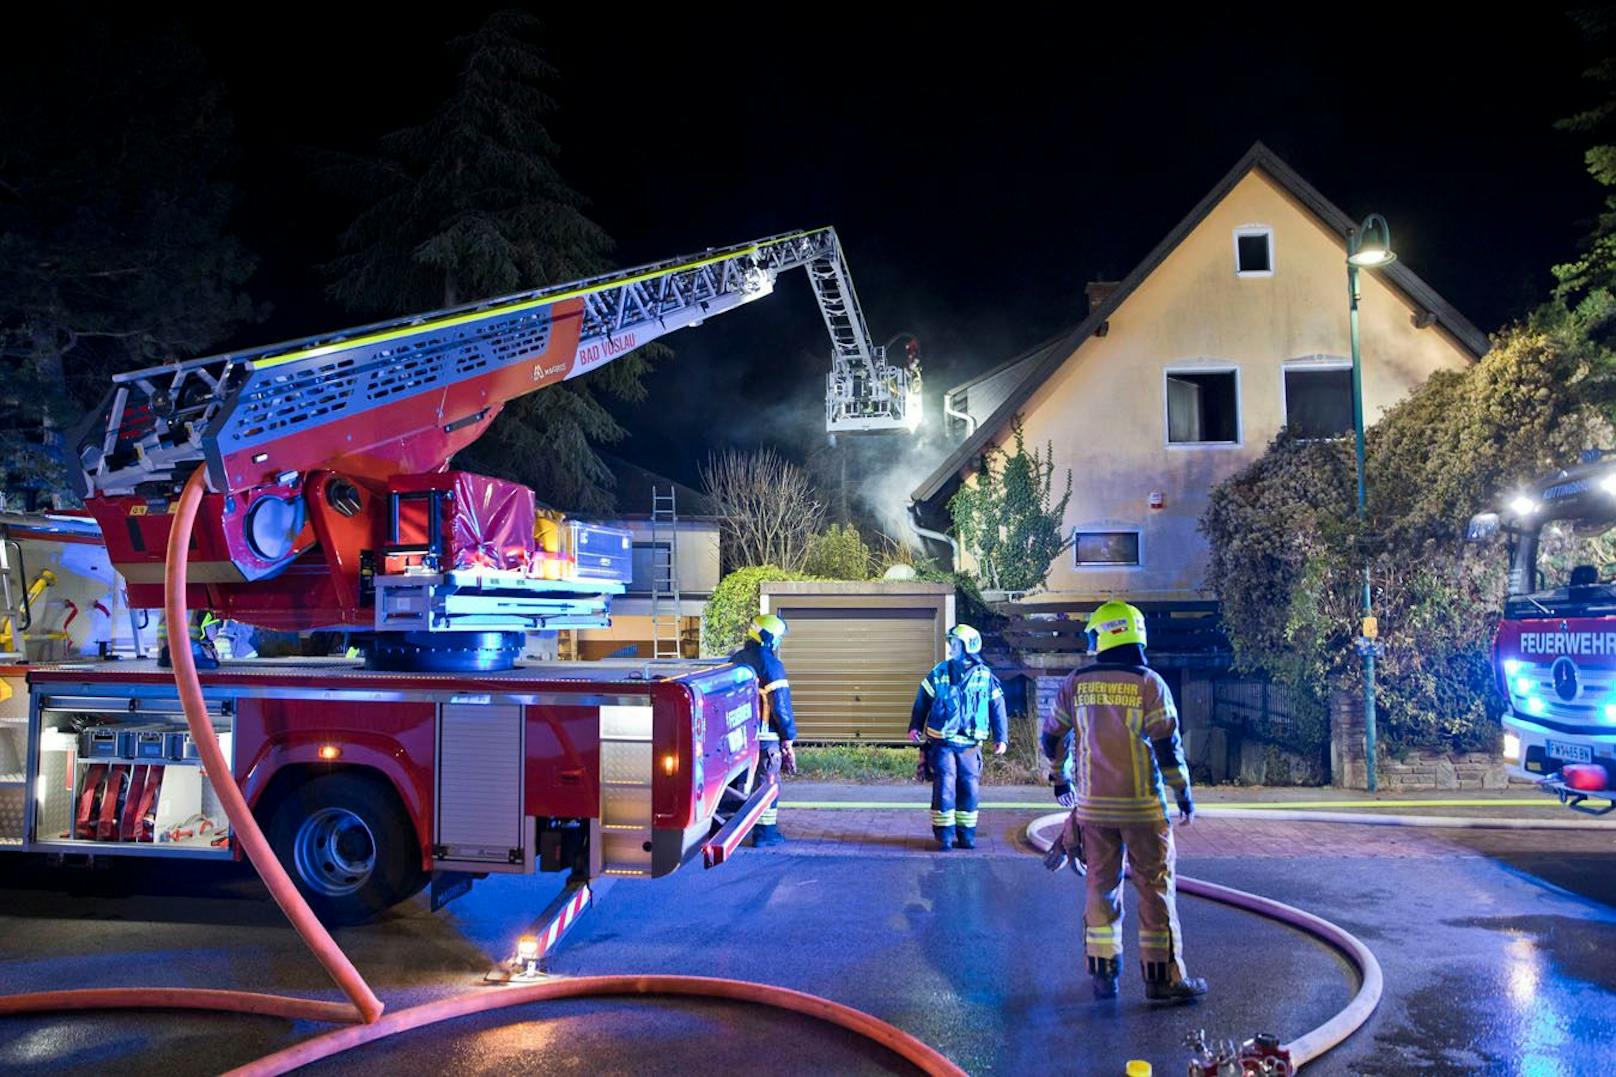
1107,548
1254,252
1318,400
1203,407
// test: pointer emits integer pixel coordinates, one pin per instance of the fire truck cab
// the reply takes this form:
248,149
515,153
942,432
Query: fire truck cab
1554,652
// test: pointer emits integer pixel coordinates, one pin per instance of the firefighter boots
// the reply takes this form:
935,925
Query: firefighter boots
1161,986
965,837
767,834
945,837
1106,973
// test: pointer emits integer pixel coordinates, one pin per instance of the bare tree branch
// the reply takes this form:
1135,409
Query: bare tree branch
767,506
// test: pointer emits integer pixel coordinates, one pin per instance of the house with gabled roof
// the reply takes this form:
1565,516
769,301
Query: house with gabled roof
1232,329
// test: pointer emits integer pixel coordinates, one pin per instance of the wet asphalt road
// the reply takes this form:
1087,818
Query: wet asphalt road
1502,962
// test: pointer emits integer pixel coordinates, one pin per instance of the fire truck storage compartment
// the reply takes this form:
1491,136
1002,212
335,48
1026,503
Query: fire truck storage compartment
481,821
13,760
626,773
600,553
121,774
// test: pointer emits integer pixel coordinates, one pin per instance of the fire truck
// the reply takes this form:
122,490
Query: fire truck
442,752
1554,652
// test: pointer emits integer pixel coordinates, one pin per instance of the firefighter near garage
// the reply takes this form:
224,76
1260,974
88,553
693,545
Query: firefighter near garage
959,704
1112,737
777,728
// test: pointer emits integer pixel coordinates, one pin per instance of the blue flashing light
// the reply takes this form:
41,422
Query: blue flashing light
1522,685
1610,712
1513,666
1535,705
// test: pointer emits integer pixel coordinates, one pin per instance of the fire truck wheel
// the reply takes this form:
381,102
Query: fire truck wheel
348,846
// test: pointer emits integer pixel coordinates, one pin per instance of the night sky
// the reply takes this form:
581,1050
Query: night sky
980,170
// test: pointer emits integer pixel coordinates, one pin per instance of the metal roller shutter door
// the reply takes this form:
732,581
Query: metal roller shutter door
854,671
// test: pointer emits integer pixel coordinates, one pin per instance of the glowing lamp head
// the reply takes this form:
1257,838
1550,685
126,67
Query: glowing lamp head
1522,506
1370,247
1536,706
527,948
330,752
670,764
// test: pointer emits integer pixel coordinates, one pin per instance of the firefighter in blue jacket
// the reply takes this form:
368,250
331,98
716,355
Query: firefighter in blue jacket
776,726
959,705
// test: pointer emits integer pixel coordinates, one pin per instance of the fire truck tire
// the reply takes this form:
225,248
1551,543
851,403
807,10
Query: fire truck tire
348,845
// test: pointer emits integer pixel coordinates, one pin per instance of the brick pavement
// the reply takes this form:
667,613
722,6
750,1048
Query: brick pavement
904,832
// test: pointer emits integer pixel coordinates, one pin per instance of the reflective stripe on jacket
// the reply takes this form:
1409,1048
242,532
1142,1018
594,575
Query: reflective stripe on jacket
1125,746
981,711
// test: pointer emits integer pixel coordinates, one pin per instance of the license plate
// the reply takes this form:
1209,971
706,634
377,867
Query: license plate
737,741
1571,753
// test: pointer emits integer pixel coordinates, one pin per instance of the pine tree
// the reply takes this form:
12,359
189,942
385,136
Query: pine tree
471,205
113,249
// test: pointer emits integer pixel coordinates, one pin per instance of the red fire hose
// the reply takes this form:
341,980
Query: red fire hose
364,1005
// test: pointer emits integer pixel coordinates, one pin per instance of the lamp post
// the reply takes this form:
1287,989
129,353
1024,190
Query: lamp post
1369,246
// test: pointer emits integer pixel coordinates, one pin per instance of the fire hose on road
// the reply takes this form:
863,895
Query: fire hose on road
1307,1047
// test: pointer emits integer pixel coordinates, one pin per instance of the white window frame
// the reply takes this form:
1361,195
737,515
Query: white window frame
1246,230
1239,408
1109,566
1307,363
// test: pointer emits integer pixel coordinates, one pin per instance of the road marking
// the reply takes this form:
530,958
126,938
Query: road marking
1270,805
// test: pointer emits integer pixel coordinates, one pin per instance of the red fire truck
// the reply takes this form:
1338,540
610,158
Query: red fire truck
330,504
1555,649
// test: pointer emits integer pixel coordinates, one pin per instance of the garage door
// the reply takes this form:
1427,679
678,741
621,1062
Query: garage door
854,671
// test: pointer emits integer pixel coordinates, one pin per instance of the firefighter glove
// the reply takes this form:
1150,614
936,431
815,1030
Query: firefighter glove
1064,795
1057,856
788,758
1186,806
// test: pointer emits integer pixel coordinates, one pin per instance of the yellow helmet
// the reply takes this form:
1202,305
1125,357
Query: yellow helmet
767,629
1114,624
969,638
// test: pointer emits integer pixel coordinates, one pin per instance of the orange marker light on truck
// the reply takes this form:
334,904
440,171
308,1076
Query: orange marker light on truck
328,752
670,763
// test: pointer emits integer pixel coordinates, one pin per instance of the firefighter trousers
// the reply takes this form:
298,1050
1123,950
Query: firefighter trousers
956,769
1152,859
769,758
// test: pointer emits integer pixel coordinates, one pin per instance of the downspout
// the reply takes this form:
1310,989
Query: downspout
937,536
968,419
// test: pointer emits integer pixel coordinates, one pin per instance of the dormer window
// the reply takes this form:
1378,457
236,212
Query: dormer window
1254,251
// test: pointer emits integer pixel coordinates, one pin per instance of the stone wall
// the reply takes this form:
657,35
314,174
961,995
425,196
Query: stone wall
1417,770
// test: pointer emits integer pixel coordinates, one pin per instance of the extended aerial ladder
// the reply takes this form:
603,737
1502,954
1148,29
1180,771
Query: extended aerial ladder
329,502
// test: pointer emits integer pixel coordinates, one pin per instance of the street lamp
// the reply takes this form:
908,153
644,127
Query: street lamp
1369,246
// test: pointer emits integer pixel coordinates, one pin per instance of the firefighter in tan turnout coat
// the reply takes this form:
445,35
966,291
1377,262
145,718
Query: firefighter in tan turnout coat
1122,727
